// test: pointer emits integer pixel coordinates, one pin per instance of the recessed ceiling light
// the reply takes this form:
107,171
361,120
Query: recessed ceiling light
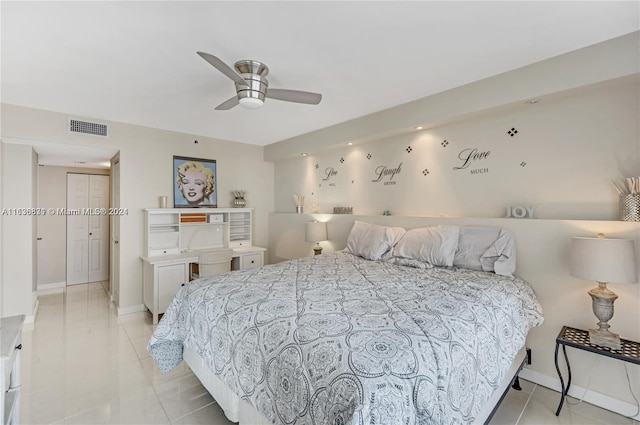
303,154
532,101
350,144
419,127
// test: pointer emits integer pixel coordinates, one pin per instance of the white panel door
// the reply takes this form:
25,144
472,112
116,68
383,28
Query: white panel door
87,228
114,275
77,229
98,228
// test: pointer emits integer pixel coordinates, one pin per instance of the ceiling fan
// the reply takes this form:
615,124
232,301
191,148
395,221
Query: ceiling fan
252,87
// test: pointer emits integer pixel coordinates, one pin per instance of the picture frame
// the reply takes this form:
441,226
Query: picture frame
195,183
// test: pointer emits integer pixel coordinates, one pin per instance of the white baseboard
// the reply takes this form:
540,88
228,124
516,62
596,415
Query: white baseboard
31,318
597,399
51,288
131,309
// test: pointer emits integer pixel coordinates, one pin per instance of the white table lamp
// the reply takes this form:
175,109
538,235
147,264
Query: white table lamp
316,231
604,260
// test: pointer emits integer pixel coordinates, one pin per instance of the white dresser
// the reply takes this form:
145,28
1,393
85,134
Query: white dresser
174,237
10,346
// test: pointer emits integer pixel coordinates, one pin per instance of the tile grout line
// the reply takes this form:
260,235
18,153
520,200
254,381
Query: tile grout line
526,404
194,411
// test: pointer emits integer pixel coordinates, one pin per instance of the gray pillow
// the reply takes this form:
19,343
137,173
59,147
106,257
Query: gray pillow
372,241
486,248
435,245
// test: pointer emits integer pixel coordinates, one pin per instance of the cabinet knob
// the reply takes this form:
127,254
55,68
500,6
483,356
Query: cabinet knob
253,261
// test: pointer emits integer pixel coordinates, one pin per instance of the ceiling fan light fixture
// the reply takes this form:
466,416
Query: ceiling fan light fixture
251,102
252,85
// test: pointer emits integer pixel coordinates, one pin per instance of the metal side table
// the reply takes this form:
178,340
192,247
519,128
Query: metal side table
579,338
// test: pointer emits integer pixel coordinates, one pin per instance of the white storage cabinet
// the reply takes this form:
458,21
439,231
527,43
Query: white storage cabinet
10,346
174,237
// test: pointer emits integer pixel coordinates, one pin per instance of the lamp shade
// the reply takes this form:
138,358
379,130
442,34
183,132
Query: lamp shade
604,260
316,231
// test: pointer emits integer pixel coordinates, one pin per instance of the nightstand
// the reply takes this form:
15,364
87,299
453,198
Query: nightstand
579,338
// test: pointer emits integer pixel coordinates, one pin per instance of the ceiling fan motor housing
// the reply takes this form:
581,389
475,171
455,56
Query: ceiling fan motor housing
254,74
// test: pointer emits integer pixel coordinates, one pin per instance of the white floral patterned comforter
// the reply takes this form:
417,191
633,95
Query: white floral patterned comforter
336,339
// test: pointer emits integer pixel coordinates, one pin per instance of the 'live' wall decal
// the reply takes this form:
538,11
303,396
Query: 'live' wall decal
329,172
329,175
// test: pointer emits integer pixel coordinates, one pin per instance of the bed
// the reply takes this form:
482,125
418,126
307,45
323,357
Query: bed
355,337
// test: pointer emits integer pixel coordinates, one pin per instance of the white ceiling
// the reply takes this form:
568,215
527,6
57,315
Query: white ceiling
136,62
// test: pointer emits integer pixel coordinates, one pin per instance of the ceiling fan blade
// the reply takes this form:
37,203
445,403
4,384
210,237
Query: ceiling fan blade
227,104
294,96
224,68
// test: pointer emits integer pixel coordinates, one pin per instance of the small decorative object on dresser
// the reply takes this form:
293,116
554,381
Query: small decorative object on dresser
163,201
238,199
316,232
299,200
343,210
629,204
604,260
630,207
520,211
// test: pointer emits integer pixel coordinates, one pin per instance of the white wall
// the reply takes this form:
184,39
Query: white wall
146,173
606,61
19,165
561,160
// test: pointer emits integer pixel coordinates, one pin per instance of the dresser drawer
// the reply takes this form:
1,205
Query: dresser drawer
251,261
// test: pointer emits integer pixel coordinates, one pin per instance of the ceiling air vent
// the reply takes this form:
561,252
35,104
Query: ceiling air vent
86,127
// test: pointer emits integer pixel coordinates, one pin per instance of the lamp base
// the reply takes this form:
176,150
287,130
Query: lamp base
603,299
317,250
604,339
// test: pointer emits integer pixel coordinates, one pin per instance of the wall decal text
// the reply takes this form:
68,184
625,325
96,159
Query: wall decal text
329,172
479,171
384,171
469,156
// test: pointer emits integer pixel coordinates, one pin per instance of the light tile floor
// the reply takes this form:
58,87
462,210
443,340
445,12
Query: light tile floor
82,364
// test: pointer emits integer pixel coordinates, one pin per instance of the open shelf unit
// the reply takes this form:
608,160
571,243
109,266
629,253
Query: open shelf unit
174,230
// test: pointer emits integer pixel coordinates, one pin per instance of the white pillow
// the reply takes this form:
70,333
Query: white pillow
371,241
491,249
435,245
